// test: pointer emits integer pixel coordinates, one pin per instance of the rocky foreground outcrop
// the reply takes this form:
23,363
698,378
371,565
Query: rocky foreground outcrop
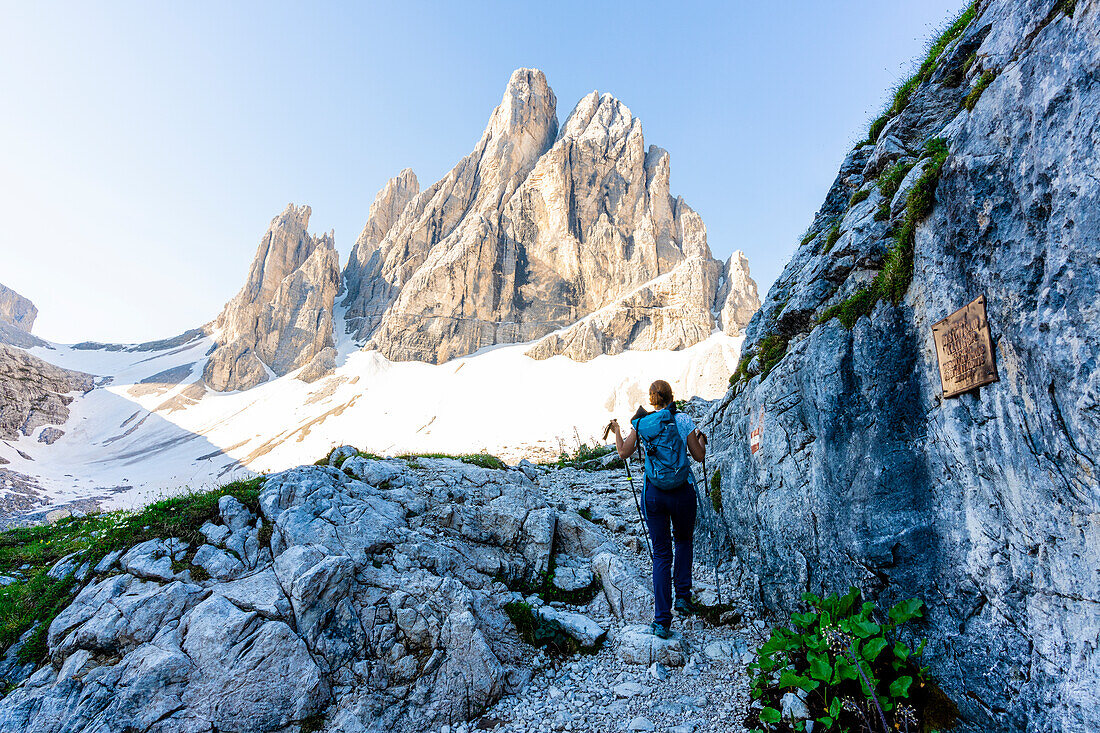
281,320
984,505
361,598
535,230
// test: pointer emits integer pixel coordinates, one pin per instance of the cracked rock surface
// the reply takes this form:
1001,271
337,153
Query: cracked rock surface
362,598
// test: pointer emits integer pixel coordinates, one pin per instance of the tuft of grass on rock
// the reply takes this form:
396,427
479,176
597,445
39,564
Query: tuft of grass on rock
905,90
984,81
859,196
484,460
587,457
893,279
771,349
831,237
715,492
538,631
890,180
28,553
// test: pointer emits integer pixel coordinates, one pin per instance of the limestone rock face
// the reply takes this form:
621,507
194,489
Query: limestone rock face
282,317
983,505
34,393
16,310
737,299
532,232
670,312
367,291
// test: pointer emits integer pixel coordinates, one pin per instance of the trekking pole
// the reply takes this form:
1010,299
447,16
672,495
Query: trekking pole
637,504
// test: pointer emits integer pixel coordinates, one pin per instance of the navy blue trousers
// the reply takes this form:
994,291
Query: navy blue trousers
674,509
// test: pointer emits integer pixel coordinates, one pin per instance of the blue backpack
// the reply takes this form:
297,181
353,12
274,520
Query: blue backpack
667,465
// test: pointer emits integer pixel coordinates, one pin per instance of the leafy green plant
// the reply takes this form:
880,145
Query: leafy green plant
853,668
984,81
897,271
28,553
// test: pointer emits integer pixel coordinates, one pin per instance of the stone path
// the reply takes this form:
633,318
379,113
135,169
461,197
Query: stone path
602,692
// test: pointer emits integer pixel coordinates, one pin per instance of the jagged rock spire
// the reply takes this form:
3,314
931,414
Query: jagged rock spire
534,230
282,318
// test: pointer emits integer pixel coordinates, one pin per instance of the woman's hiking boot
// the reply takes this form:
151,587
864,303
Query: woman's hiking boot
685,607
660,630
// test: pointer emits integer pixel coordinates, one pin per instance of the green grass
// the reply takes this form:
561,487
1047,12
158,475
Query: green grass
1069,7
897,272
984,81
340,462
477,459
715,492
890,179
538,631
771,350
883,212
859,196
544,588
831,237
806,238
586,458
905,90
29,552
741,373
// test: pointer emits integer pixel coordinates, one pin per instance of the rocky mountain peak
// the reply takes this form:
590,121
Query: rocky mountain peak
16,310
526,116
281,320
534,230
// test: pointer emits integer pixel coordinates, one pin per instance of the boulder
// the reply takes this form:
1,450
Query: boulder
636,644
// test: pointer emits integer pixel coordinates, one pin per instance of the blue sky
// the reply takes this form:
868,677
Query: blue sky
144,147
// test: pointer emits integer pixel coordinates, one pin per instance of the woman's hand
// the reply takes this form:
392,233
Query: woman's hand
623,447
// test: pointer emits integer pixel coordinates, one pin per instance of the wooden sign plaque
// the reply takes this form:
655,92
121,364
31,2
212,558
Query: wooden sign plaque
965,349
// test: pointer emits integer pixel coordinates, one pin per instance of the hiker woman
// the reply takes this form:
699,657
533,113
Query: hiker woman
668,496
